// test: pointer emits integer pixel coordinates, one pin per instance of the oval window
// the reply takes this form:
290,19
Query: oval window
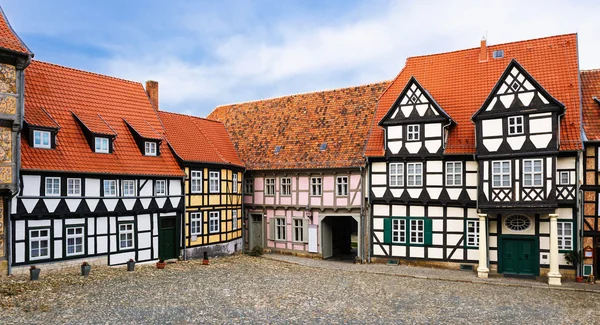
517,222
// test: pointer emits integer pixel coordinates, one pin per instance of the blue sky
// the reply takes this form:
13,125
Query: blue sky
207,53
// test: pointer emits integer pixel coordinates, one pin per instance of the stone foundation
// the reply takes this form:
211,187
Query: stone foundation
293,253
214,250
57,266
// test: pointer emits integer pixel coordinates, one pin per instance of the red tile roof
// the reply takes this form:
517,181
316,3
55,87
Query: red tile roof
460,83
144,129
9,39
196,139
299,124
590,89
61,91
94,122
37,116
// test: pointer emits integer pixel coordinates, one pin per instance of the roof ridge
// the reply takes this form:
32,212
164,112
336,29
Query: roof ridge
15,33
88,72
302,94
210,142
590,70
193,116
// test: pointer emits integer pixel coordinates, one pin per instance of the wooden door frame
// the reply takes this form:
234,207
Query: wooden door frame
251,231
177,234
536,245
355,216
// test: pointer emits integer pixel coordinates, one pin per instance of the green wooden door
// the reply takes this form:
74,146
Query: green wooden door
519,256
509,256
167,239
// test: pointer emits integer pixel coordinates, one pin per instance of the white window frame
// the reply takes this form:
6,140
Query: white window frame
196,181
214,222
454,178
563,236
160,190
214,180
341,186
531,182
128,184
127,230
248,185
398,231
414,178
316,186
560,178
234,219
416,235
396,174
514,123
75,236
107,186
44,138
234,180
270,186
54,189
39,239
196,223
472,233
73,186
298,230
286,186
413,132
502,174
150,148
101,144
280,228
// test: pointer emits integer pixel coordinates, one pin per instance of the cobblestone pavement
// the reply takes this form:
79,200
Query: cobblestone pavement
249,290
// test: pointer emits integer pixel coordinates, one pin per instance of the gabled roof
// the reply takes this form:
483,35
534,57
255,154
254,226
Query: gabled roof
200,140
299,125
9,40
38,117
460,83
590,92
102,102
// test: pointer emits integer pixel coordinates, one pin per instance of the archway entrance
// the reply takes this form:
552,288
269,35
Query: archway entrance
339,238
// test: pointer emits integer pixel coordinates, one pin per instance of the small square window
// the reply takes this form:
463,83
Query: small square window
160,187
53,186
412,132
128,187
515,125
565,178
110,188
41,139
150,148
101,145
73,186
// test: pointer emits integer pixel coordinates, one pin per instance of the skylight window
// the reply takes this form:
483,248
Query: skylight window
277,149
498,54
323,146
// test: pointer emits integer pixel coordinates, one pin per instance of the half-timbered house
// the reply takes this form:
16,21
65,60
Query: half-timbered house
473,159
212,187
304,186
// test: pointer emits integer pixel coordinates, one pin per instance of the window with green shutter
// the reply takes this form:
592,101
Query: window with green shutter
407,231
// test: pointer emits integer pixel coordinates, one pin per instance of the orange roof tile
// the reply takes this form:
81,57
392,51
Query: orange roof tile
460,84
299,124
94,122
37,116
196,139
9,39
61,91
590,93
144,129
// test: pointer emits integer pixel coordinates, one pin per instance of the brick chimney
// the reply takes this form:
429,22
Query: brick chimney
152,91
483,56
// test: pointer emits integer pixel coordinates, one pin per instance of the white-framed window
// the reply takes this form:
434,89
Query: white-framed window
342,185
41,139
126,236
248,185
150,148
501,174
298,230
53,186
39,244
235,183
234,218
196,181
269,186
417,231
532,172
414,174
73,186
412,132
565,235
110,187
286,186
213,181
515,125
213,221
196,223
316,186
564,178
398,231
280,229
128,187
454,172
396,174
101,145
473,233
160,187
75,241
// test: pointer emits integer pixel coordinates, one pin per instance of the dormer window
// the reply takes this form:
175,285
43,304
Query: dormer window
150,148
41,139
101,145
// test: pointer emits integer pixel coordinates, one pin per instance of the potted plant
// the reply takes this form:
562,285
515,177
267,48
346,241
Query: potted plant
575,258
34,273
130,265
205,259
85,269
161,264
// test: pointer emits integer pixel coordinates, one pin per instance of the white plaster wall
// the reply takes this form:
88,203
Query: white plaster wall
394,132
491,128
92,187
379,167
31,185
541,125
433,130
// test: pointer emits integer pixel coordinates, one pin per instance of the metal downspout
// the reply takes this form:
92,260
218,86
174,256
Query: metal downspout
368,196
183,230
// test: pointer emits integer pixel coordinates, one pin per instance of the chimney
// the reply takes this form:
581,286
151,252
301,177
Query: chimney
483,56
152,91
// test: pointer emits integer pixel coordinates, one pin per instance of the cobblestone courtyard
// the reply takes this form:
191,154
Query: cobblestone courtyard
243,289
